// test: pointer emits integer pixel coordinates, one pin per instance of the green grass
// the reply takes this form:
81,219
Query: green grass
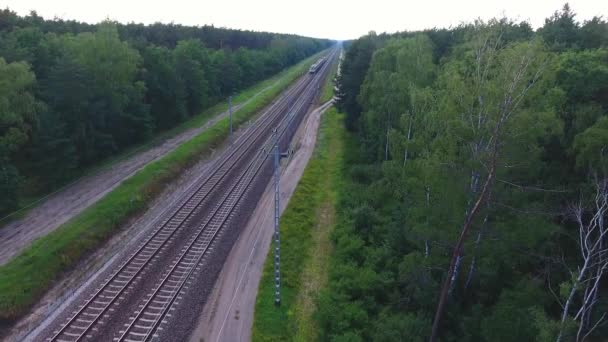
328,87
306,246
30,274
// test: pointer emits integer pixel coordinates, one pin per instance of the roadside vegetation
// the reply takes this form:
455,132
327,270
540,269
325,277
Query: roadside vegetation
306,225
73,95
476,192
327,93
29,275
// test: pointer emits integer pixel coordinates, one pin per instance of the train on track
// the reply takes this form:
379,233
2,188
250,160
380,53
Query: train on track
313,68
152,292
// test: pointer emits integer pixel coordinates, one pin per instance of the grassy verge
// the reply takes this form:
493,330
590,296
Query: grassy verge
328,88
306,225
29,275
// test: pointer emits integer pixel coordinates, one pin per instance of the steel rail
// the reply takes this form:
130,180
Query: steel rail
210,227
166,302
243,147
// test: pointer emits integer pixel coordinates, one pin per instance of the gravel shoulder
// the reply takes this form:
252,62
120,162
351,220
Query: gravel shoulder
228,312
68,202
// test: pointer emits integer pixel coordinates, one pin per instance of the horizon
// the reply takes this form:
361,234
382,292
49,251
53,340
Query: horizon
351,24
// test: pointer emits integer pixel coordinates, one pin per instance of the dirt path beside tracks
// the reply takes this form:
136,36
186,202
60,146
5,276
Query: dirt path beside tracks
228,313
62,205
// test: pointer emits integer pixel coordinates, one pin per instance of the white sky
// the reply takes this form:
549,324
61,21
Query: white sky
336,19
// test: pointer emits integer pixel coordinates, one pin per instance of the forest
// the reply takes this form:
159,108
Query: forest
73,94
476,192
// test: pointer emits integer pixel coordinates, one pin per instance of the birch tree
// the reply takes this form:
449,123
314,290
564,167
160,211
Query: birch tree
593,247
488,91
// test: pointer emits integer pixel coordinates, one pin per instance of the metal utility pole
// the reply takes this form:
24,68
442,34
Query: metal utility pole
277,234
230,111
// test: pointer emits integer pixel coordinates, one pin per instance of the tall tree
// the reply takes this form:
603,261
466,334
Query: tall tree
190,57
560,31
117,115
355,65
165,90
487,105
18,116
594,33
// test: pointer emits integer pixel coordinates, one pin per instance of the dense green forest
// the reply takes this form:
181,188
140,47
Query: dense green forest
72,94
477,188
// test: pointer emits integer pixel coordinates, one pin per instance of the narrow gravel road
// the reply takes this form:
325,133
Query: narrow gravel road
72,200
228,313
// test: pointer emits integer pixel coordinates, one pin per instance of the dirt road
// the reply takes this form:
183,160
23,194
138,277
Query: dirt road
228,313
72,200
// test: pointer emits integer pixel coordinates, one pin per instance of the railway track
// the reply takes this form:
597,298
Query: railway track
156,306
235,170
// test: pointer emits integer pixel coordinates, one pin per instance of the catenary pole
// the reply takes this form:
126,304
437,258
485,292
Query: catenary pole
277,232
230,111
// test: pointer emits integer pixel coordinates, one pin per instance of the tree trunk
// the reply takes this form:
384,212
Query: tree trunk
458,248
591,239
455,275
386,145
409,136
569,301
428,204
473,261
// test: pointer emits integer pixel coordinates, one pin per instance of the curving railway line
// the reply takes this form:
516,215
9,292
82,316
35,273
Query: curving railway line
147,296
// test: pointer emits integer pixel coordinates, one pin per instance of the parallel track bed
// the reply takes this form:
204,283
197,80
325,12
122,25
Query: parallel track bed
198,221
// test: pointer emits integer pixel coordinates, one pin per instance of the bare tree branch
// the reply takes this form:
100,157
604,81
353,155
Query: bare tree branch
592,234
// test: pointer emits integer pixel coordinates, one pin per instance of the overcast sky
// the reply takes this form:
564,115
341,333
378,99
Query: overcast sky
336,19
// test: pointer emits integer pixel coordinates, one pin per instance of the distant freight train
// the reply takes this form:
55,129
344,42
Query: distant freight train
316,66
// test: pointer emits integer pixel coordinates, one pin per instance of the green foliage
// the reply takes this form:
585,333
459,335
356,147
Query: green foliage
299,222
354,67
591,147
18,110
580,102
114,109
396,90
547,328
584,75
433,113
166,92
561,30
400,327
515,306
52,153
28,276
17,106
190,56
594,33
109,87
327,91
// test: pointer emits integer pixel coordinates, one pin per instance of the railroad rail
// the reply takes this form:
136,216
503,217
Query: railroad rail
156,306
94,309
85,321
152,313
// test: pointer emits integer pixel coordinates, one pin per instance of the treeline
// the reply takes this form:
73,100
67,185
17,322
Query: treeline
72,94
167,35
477,194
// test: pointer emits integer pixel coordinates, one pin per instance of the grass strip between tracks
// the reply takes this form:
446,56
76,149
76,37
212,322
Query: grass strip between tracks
306,246
30,274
